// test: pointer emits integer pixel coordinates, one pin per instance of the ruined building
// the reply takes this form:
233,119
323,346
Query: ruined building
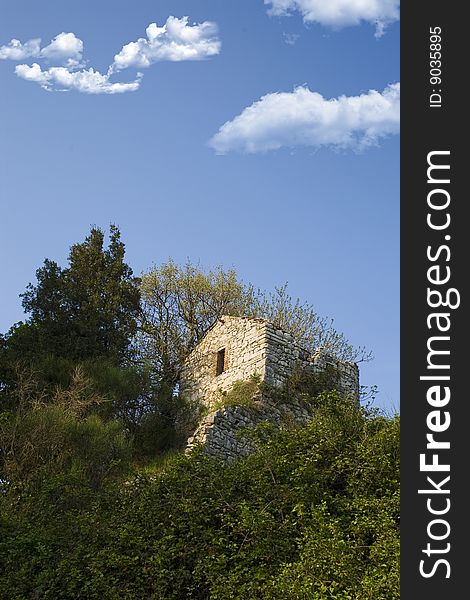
235,349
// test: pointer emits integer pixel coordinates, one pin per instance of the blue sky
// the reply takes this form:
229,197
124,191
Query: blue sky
319,210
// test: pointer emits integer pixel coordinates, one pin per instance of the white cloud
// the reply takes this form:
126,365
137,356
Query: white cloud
15,50
340,13
65,48
174,41
87,81
290,38
306,118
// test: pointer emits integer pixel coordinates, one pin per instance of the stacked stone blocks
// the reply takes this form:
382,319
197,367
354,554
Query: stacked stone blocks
250,346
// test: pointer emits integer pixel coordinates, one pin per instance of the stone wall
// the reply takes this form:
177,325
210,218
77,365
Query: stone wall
250,346
222,432
284,355
244,342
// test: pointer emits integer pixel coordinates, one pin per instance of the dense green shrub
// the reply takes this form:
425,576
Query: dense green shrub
313,514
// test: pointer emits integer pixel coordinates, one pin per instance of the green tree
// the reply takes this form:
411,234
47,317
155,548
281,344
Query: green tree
60,438
310,329
89,308
181,303
83,314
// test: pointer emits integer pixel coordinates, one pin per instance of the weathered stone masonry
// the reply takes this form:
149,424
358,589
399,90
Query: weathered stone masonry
235,349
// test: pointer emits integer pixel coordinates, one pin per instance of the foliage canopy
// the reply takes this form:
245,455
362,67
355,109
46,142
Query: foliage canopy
313,514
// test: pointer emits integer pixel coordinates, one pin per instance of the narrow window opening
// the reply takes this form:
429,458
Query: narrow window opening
220,362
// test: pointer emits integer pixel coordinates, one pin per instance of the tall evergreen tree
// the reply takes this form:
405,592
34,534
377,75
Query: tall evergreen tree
82,313
89,308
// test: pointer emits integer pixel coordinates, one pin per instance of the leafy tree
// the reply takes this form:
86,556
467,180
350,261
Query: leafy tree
89,308
310,329
83,315
59,436
180,304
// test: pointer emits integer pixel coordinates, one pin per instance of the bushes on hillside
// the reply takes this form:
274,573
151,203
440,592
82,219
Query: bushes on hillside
313,514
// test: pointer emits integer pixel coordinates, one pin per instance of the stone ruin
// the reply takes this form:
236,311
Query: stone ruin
235,349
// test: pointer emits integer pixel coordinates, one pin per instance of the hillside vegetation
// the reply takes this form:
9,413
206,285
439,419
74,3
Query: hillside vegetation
97,498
